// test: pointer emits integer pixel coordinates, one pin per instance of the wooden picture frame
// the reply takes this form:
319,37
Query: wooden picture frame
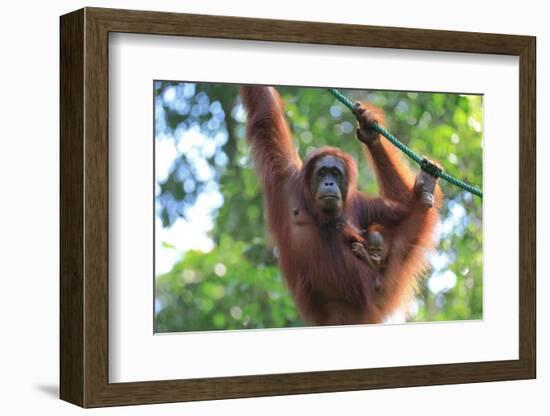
84,207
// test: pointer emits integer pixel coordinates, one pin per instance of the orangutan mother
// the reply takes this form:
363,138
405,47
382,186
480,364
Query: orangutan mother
314,207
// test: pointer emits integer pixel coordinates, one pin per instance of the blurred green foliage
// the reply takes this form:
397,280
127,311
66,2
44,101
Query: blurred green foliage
237,284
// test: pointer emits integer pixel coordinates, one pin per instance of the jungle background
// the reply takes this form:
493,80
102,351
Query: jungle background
215,265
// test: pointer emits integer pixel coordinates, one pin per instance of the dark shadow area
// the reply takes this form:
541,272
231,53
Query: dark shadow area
51,390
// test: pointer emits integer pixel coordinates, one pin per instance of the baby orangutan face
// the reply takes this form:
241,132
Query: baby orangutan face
376,248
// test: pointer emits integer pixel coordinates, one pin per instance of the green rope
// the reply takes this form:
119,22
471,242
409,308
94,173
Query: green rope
421,161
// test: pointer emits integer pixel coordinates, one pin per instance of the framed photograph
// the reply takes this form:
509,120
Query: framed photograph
263,207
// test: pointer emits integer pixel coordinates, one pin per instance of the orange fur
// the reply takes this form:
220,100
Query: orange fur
329,284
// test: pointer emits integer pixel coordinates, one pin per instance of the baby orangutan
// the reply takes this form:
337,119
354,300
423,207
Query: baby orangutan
368,245
375,249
